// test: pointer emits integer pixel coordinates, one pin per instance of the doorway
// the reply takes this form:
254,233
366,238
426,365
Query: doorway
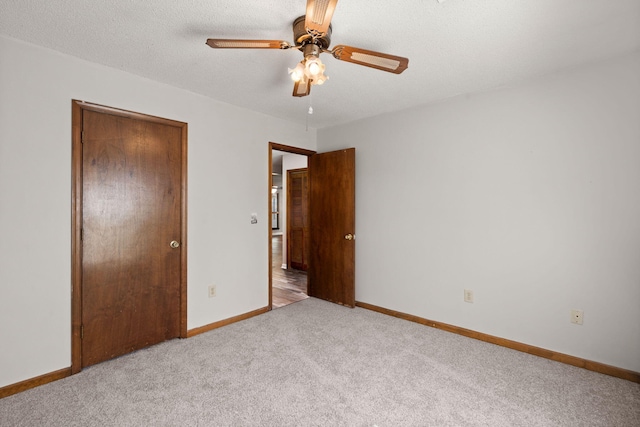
331,251
128,232
289,206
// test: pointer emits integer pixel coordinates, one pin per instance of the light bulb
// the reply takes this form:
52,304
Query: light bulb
314,68
297,73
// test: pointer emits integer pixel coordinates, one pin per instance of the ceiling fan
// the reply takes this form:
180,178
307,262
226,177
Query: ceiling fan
312,36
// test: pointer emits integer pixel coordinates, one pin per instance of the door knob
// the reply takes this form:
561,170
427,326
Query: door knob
174,244
350,237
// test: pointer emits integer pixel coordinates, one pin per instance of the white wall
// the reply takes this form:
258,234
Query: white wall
289,161
36,88
529,196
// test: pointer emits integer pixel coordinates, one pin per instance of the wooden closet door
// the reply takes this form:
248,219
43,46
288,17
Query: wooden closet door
131,214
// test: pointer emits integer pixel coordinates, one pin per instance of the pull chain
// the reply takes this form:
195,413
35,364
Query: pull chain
309,112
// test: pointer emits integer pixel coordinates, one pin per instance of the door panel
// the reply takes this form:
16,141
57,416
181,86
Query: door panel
131,211
332,217
297,214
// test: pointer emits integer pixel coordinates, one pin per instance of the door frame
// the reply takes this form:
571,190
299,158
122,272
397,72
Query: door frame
286,149
77,109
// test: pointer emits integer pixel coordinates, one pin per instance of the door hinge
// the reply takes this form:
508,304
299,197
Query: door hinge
81,331
82,137
81,234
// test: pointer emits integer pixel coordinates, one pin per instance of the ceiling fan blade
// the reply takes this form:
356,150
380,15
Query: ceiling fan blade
301,88
369,58
319,14
247,44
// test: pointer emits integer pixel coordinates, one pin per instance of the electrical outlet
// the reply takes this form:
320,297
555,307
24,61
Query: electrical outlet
576,317
468,295
212,291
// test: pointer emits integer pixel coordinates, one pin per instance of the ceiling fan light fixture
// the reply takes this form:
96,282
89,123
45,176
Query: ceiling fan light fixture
314,71
314,66
309,71
298,73
320,80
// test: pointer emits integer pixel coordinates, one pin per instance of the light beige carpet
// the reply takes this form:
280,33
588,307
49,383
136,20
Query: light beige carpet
313,363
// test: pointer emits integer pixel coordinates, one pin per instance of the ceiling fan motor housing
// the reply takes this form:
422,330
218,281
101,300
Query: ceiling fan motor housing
302,37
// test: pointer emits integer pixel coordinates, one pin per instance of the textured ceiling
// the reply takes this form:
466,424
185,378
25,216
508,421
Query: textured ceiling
454,46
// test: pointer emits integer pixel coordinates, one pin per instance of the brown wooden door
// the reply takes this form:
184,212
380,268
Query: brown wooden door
297,218
331,274
131,212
